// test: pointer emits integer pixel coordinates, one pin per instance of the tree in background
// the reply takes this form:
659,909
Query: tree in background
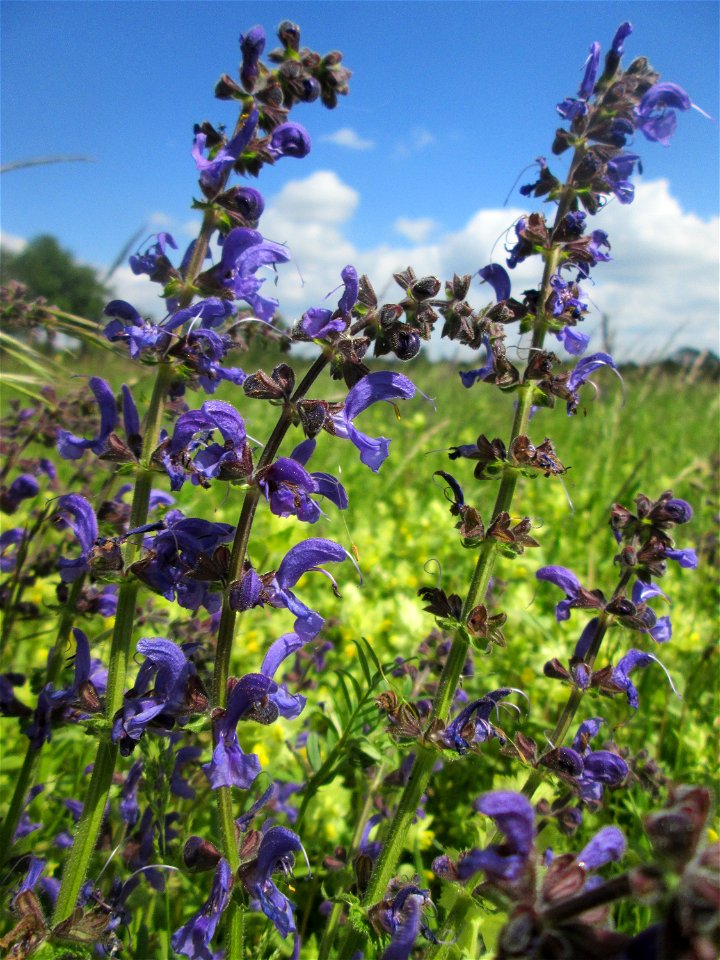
50,271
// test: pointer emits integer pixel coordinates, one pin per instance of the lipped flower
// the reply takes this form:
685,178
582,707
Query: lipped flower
170,566
288,487
71,447
243,253
154,261
75,702
655,114
399,914
23,487
274,855
192,451
587,771
252,45
472,724
212,169
382,385
620,679
304,557
320,323
10,541
193,938
77,513
229,765
548,913
166,688
573,109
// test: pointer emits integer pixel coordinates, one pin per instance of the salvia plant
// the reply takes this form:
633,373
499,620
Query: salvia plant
167,828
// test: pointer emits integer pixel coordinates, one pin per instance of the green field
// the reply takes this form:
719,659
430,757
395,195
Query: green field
399,527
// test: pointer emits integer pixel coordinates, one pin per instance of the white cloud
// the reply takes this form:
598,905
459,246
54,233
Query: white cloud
661,285
139,291
417,139
9,241
415,230
159,219
349,138
660,291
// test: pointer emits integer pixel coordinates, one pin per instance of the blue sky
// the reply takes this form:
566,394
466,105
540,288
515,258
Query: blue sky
449,102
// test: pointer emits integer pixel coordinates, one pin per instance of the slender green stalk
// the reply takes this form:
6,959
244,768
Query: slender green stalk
226,634
104,767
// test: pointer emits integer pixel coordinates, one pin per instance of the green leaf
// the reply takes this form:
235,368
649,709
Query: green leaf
313,751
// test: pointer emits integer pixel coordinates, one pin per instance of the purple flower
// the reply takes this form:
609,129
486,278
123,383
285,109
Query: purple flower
229,766
621,35
477,711
78,514
497,276
153,257
71,447
575,342
660,629
207,460
161,692
289,140
193,938
275,854
318,323
22,488
583,370
633,660
687,558
607,846
469,377
10,541
89,682
382,385
655,115
618,172
252,45
597,767
213,170
288,705
287,486
244,251
514,817
129,810
179,786
401,917
568,583
570,109
173,554
303,558
591,71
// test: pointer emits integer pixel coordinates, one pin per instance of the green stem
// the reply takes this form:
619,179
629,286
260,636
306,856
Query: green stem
226,634
104,767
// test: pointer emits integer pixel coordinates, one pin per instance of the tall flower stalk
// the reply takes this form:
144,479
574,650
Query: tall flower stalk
608,108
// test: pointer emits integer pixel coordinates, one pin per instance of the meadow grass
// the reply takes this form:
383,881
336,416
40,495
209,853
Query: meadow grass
399,527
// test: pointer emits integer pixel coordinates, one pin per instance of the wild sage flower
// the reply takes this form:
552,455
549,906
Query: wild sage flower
374,387
175,692
193,938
